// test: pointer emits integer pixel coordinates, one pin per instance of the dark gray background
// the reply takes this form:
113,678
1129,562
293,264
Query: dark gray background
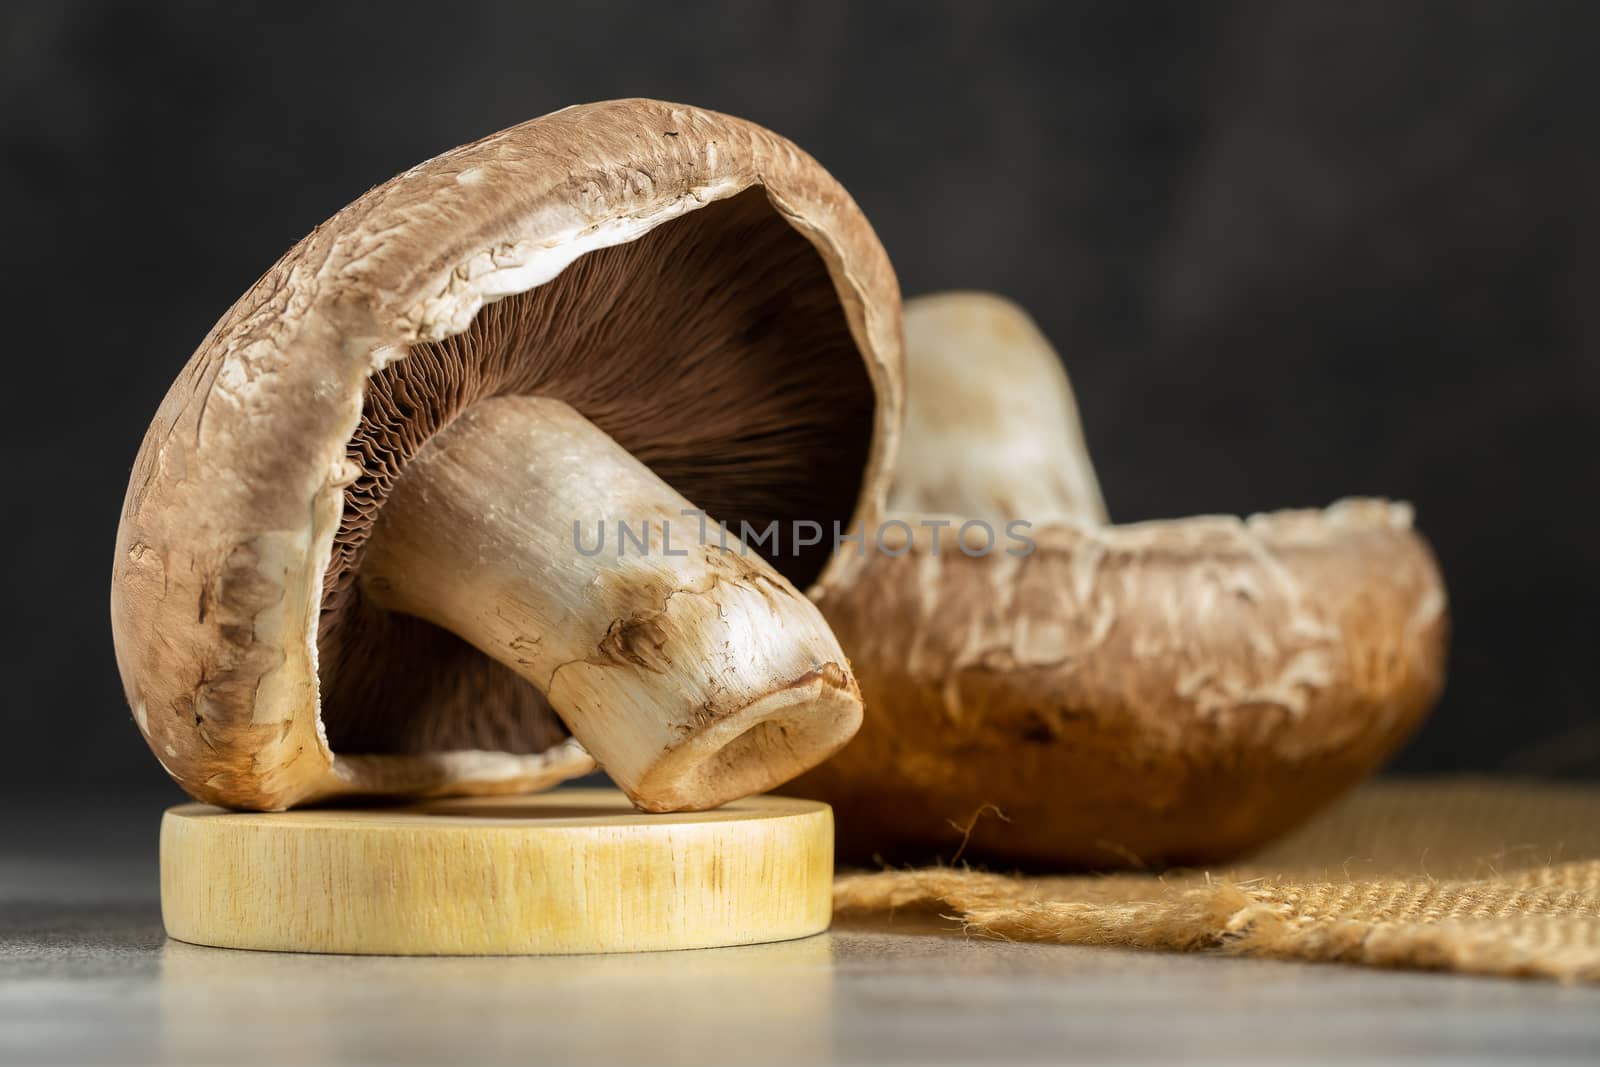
1289,252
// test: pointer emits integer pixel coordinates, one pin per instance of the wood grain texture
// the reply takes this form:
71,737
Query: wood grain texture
573,871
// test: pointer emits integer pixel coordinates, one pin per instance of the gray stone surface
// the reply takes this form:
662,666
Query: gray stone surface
87,976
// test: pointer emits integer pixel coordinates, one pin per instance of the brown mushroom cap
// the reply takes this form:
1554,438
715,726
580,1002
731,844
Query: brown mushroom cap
1165,692
694,285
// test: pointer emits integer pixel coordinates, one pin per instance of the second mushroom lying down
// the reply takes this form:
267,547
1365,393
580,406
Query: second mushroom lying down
361,543
1094,695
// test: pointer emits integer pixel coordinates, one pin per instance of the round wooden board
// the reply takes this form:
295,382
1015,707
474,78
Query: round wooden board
576,870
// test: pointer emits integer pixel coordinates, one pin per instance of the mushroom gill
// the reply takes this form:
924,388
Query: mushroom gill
714,349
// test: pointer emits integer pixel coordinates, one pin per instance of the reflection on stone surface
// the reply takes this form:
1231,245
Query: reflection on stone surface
702,1005
86,976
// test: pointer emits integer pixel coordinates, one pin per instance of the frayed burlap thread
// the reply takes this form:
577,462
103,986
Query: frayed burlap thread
1483,877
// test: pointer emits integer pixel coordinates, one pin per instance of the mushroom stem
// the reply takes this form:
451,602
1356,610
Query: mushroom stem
694,673
992,429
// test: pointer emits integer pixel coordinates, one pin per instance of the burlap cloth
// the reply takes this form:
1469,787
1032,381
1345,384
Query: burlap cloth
1486,877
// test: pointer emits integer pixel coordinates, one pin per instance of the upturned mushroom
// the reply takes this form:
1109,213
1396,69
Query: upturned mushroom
361,550
1087,695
